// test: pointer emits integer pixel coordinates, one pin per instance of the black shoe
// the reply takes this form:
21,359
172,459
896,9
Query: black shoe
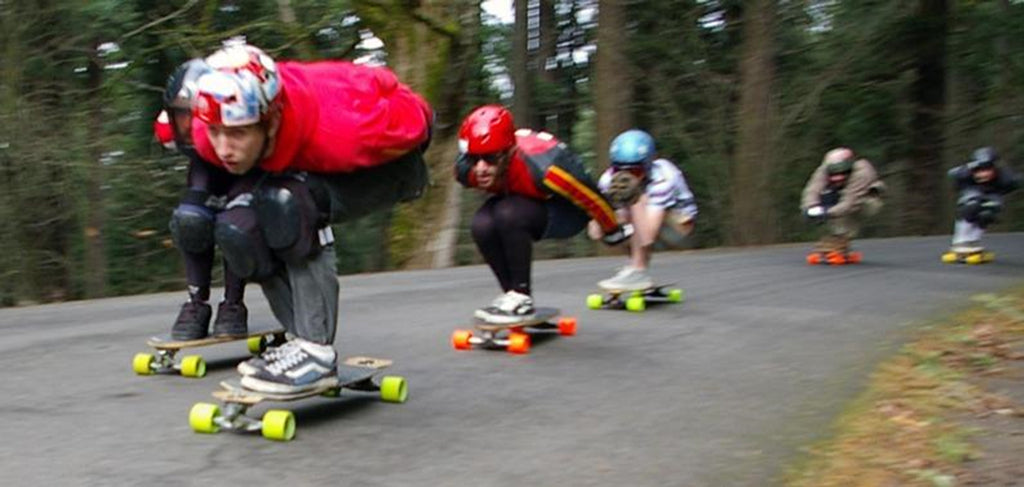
193,321
232,320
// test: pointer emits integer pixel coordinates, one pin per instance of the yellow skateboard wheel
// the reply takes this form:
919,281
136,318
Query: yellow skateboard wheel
675,296
202,417
594,301
193,366
142,364
974,259
393,388
636,303
279,425
949,257
256,345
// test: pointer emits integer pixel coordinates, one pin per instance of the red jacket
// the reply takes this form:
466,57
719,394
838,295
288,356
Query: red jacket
338,117
541,167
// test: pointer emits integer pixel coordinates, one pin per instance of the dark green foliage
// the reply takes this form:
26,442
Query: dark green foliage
77,157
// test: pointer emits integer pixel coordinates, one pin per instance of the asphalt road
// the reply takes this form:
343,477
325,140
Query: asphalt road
722,390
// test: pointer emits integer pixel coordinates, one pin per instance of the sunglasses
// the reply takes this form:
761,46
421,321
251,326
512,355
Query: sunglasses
491,159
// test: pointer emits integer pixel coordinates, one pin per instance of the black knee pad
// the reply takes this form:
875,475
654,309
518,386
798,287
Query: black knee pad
289,219
987,212
192,228
969,206
238,235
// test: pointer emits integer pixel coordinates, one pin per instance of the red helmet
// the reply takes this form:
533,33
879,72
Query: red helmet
487,130
163,130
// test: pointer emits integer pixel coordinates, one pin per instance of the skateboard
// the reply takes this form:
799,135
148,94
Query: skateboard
972,258
356,373
833,257
512,337
163,361
636,300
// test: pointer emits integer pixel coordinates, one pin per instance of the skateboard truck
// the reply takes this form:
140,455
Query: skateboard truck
163,360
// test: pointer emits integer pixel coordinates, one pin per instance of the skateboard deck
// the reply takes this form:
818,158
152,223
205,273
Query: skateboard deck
972,258
816,257
163,362
513,337
355,373
636,300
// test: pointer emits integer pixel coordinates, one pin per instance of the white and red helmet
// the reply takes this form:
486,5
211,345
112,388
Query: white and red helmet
242,87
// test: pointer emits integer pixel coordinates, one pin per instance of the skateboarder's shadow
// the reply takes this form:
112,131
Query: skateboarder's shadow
330,409
540,337
223,363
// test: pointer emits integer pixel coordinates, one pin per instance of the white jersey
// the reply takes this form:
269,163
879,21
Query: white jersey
666,187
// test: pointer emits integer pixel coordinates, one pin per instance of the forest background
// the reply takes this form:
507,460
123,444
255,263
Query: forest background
745,96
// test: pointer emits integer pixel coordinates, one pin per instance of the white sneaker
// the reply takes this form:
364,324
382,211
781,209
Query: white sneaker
967,247
301,367
510,307
628,278
251,366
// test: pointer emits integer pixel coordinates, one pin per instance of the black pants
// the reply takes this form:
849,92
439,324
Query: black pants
205,178
506,226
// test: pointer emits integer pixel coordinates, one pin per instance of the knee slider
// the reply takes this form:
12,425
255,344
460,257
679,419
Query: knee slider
288,221
240,240
192,228
968,209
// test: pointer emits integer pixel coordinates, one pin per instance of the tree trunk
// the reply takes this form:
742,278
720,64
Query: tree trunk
522,96
95,220
753,215
430,45
613,86
928,96
299,37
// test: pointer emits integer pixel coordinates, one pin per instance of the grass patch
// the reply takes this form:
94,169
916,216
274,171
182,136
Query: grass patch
907,428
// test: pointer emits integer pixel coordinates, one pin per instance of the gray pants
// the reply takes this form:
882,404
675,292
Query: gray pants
304,297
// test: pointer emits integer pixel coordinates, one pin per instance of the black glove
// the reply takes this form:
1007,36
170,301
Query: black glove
621,233
624,189
816,214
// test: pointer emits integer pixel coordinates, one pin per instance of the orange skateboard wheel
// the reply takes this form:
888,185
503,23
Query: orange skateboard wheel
854,257
518,342
814,259
460,339
567,326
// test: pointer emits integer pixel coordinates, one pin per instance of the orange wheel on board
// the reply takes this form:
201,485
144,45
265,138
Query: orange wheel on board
854,257
814,259
460,339
836,259
518,343
567,326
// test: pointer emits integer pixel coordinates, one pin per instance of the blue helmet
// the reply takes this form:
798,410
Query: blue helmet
632,148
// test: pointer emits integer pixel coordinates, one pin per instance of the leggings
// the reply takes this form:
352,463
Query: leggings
504,230
205,178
